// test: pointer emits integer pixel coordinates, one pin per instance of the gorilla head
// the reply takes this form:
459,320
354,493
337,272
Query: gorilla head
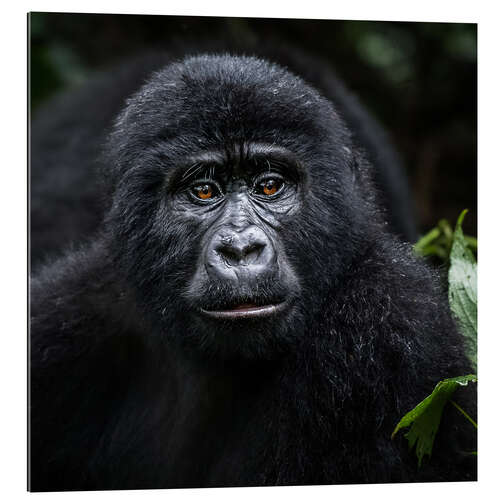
237,204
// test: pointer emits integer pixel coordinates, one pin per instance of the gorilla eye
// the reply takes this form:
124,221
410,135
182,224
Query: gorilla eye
205,191
269,186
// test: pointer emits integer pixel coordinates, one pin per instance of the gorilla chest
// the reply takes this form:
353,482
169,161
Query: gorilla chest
202,436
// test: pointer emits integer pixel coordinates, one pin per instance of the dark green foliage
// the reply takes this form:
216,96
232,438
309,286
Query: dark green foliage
455,249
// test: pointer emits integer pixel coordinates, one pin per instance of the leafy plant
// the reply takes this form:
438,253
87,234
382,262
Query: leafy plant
425,418
439,240
457,250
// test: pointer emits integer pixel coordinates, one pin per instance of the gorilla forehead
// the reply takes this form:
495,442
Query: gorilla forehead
220,99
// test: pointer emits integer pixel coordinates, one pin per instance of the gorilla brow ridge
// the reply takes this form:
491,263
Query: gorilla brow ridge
272,154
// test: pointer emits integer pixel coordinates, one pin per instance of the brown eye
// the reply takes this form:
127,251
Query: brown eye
204,191
270,186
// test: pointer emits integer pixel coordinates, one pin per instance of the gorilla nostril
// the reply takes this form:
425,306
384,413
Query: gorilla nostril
253,252
229,253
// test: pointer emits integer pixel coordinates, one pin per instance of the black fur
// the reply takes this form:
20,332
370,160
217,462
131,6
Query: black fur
132,388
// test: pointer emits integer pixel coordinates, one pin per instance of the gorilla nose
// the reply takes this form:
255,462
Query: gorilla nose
235,252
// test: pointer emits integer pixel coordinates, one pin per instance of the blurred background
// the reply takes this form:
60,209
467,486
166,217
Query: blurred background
418,79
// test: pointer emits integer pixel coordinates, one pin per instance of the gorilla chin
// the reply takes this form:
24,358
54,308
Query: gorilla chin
257,319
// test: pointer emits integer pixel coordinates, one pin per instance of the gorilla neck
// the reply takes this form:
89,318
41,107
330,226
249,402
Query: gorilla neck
222,408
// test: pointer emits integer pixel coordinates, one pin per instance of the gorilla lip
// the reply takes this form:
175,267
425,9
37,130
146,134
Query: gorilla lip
246,311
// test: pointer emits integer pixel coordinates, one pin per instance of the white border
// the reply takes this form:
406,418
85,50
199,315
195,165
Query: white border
13,228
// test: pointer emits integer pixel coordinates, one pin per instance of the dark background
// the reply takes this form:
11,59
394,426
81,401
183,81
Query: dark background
418,79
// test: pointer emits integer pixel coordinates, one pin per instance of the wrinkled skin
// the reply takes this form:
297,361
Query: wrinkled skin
243,316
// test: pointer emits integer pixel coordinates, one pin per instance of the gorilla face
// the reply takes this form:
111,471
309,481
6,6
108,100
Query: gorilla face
243,282
242,271
229,215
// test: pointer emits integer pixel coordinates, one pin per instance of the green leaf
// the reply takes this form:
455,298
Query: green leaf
426,240
438,250
438,242
462,292
425,418
446,229
471,242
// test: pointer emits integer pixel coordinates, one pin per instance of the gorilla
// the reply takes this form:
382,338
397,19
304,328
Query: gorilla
244,314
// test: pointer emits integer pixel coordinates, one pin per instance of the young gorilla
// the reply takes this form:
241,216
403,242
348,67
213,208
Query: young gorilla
243,317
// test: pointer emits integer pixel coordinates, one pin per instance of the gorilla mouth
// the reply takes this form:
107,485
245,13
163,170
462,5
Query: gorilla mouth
246,311
222,300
